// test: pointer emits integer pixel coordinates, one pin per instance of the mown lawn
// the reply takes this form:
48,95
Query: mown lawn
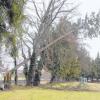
47,94
75,86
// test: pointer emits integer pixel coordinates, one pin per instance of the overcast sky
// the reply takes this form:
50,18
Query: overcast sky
87,6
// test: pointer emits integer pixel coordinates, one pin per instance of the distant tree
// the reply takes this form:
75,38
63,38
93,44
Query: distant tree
90,25
97,67
85,62
64,53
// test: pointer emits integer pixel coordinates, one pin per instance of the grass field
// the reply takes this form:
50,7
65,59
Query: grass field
37,93
76,86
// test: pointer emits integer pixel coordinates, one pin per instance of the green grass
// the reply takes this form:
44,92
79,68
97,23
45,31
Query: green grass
75,86
47,94
63,85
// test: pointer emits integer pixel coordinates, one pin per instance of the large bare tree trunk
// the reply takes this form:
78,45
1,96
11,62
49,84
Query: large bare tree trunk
25,70
31,71
37,78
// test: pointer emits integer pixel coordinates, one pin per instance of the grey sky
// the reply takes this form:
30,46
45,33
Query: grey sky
86,6
89,5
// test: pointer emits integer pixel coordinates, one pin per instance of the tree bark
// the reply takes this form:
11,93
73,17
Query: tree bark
31,71
16,73
53,78
26,73
37,78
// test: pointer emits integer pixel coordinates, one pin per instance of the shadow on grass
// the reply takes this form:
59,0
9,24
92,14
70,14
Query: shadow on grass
75,86
69,87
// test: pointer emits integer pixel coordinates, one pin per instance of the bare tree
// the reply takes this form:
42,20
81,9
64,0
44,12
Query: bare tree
41,23
44,23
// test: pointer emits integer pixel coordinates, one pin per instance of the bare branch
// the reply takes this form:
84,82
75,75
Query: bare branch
36,10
